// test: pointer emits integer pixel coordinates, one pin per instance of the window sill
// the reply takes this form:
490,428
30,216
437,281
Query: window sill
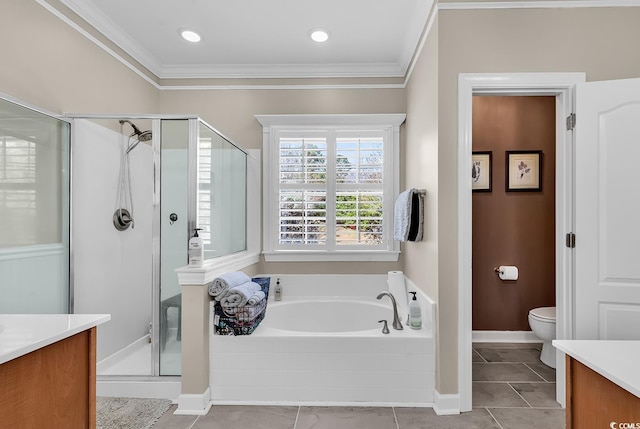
325,256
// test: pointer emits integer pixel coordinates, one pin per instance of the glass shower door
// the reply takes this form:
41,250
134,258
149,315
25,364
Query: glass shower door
174,236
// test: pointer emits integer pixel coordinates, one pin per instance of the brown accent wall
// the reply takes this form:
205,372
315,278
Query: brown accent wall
513,228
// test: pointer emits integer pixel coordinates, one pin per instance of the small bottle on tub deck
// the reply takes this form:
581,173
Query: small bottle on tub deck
415,313
277,296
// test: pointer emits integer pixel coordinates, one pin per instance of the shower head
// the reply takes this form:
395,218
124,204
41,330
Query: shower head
141,136
145,136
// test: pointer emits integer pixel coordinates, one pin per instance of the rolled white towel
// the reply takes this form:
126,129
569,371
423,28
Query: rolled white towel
238,296
220,285
256,298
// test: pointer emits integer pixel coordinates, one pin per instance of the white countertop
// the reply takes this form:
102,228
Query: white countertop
23,333
615,360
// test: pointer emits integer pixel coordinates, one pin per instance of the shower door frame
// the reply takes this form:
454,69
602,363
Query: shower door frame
192,176
156,221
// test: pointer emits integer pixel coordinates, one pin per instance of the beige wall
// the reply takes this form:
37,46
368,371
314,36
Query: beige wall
57,69
590,40
420,155
232,113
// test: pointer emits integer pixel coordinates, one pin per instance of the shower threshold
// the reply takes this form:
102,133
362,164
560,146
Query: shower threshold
162,387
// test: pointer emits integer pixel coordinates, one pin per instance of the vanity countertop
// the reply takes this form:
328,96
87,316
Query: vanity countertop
24,333
615,360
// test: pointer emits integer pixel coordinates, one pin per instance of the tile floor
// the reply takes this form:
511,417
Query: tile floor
511,389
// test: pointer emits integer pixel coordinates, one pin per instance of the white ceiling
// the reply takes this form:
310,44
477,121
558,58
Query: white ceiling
263,38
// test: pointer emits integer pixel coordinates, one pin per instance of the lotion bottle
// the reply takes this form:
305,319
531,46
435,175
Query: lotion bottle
196,250
415,313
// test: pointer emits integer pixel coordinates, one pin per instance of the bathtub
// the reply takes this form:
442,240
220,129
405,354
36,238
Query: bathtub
322,344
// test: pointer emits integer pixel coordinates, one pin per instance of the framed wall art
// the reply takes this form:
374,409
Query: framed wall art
481,171
524,170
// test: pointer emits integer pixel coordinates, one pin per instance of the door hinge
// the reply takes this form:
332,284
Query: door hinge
571,122
570,240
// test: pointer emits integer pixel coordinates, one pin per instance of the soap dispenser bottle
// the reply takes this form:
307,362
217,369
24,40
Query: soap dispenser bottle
415,313
196,249
278,291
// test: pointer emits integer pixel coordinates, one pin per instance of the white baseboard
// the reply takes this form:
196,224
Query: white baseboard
504,337
194,404
446,404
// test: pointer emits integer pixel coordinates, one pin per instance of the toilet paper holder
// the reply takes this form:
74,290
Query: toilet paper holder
507,272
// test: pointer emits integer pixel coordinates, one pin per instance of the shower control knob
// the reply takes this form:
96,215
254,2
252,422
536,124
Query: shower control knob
173,217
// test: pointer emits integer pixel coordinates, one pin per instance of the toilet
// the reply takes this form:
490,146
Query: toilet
543,323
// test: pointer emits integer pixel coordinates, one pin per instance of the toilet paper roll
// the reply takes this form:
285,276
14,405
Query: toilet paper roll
398,288
508,272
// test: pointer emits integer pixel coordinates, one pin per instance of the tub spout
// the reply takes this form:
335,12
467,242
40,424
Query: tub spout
397,324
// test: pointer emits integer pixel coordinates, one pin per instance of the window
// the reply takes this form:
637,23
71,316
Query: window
330,183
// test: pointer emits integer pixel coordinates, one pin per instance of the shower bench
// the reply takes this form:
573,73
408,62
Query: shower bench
165,305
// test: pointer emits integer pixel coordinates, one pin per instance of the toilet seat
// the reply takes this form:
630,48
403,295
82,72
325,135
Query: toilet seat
544,314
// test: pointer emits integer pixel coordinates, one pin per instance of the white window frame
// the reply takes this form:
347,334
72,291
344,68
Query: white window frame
273,126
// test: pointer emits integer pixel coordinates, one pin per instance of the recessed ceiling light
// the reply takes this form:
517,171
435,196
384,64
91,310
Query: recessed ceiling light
319,35
190,36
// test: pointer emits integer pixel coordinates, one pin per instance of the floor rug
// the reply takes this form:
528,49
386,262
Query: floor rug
129,413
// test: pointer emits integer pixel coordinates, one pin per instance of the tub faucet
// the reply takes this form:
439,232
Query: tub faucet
396,319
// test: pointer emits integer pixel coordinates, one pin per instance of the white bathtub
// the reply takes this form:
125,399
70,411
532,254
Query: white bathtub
322,344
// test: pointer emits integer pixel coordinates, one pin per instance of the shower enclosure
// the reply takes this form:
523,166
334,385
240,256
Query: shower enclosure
140,185
34,210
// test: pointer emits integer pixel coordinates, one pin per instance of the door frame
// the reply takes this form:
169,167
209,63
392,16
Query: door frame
562,86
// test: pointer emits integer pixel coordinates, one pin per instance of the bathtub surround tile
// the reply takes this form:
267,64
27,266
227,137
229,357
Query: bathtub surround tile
498,371
426,418
538,395
345,418
529,418
244,417
520,354
491,394
544,371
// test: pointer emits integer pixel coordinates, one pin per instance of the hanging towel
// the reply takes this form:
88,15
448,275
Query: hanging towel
416,229
402,215
239,295
220,285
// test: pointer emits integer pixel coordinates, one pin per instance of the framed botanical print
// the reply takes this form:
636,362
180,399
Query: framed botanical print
481,171
524,170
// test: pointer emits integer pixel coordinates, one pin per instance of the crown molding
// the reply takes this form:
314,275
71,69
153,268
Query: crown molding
98,42
401,69
537,4
284,71
113,32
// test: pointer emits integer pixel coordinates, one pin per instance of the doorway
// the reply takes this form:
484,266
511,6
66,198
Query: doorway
512,225
561,86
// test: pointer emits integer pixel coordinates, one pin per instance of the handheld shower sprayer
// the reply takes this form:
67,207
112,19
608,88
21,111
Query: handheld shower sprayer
123,216
141,136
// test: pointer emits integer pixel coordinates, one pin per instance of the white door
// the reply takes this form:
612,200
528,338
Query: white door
607,210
